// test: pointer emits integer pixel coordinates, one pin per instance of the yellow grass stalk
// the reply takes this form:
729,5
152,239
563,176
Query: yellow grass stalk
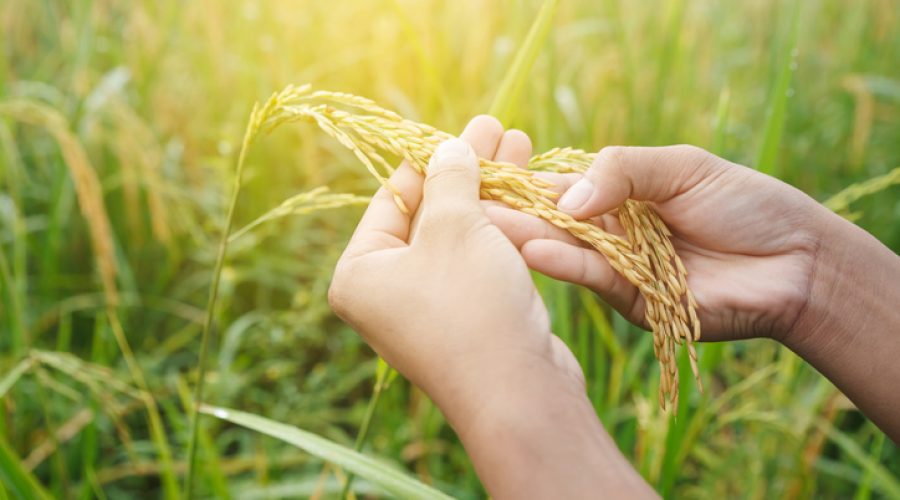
645,256
84,177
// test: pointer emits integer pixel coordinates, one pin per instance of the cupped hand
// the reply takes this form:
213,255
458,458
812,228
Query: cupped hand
439,292
748,241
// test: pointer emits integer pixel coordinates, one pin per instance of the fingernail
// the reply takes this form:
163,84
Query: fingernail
452,151
576,196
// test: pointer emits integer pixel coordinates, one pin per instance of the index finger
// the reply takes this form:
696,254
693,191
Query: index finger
384,225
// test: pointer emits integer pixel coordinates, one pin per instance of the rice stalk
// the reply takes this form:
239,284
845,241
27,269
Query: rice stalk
137,148
506,100
90,199
249,135
262,119
383,377
301,204
840,203
84,177
645,256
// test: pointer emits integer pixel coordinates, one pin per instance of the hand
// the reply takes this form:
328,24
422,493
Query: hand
748,241
447,300
763,260
452,301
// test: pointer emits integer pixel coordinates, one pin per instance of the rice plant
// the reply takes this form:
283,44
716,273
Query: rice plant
121,210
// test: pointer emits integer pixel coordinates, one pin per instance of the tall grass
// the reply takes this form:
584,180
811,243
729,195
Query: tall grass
156,95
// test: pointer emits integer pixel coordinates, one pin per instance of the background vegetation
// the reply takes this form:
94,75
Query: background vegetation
119,128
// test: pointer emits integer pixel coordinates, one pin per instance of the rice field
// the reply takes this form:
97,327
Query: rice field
122,130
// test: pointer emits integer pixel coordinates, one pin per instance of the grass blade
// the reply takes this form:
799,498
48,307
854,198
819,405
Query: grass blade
13,376
383,375
391,480
249,135
504,105
880,476
15,478
776,115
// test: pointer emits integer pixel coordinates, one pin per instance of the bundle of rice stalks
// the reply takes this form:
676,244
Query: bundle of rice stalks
644,256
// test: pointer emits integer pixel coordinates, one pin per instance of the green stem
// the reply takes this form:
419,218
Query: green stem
157,430
367,420
210,311
504,105
18,337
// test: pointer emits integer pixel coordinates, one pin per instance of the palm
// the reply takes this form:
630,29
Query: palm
749,261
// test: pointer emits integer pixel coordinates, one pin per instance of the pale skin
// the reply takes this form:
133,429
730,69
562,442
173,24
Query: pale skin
443,294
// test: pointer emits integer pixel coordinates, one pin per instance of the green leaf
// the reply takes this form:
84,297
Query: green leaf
881,477
507,96
13,376
391,480
17,480
776,115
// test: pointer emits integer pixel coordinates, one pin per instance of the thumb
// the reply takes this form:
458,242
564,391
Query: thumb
452,179
641,173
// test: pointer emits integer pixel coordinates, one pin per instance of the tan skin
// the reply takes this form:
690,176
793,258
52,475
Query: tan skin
443,294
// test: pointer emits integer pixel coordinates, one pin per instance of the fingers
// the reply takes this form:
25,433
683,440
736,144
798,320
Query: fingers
515,148
452,179
561,182
384,225
641,173
450,200
521,228
452,175
586,267
484,134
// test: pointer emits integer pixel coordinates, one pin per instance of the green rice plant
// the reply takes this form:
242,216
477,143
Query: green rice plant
304,203
506,101
840,202
384,375
389,479
776,113
87,184
261,118
881,478
148,90
15,478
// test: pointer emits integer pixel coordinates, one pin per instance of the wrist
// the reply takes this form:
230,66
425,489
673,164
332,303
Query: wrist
532,432
849,327
849,277
484,386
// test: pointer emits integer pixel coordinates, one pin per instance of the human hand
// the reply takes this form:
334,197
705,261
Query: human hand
440,292
748,241
447,300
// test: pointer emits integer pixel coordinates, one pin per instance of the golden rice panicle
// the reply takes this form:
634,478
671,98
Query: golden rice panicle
644,255
88,188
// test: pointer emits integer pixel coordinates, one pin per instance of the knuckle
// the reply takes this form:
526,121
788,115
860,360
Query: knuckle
450,171
691,156
610,158
446,212
689,151
449,219
696,161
